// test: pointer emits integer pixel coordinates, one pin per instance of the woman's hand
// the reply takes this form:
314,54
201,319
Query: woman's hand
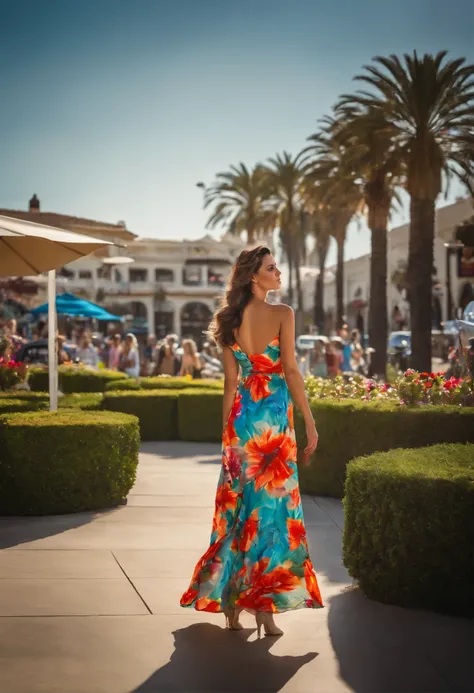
312,438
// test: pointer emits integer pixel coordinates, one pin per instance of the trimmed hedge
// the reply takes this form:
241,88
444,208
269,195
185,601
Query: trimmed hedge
157,411
87,401
180,384
409,530
73,379
125,384
350,429
200,415
10,406
68,461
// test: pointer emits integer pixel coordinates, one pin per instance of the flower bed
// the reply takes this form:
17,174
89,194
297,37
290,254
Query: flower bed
11,373
408,532
410,389
66,461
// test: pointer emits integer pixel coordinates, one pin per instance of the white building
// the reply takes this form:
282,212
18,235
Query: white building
171,286
357,270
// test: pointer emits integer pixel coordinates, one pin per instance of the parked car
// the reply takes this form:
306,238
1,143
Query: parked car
37,352
305,342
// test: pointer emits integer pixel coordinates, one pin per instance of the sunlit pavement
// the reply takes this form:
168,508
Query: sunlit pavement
90,603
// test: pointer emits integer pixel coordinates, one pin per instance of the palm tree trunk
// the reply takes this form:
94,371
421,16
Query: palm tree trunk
378,318
318,313
289,257
340,281
420,265
299,290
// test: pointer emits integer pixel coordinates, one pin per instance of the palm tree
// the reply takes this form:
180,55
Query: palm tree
339,191
240,202
283,178
370,152
429,102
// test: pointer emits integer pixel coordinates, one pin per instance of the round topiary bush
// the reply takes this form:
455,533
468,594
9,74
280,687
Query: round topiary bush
409,531
67,461
74,379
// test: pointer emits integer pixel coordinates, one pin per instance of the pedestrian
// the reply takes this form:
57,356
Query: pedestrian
87,354
149,355
191,363
357,360
168,361
115,349
258,558
129,362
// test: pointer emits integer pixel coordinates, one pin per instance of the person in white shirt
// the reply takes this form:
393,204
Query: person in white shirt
88,354
129,358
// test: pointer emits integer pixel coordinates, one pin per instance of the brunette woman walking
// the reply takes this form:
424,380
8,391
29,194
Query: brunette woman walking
258,558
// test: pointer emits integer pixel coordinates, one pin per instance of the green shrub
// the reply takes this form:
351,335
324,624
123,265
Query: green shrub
200,415
350,428
180,383
12,405
409,531
66,461
25,395
88,401
157,411
74,379
125,384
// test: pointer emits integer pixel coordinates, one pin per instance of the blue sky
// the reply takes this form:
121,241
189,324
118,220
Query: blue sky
115,110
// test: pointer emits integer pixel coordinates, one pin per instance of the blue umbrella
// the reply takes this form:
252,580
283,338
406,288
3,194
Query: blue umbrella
68,304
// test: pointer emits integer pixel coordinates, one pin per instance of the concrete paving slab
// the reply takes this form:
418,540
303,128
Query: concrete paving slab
166,563
156,515
353,644
58,597
170,501
18,564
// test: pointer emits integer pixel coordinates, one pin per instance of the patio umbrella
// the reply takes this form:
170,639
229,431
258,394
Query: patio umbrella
68,304
27,248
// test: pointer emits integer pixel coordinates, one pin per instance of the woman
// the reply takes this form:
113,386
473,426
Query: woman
167,363
258,556
357,360
129,358
191,362
115,349
87,354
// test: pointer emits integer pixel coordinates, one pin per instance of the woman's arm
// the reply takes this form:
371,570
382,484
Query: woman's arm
293,376
231,379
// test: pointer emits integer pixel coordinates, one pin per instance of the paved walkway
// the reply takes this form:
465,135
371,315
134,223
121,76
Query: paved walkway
89,604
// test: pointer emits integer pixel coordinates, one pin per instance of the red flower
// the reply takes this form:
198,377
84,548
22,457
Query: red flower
428,384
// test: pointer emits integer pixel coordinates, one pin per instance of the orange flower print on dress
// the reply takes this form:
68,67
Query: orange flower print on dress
258,556
296,532
249,531
258,386
205,604
269,455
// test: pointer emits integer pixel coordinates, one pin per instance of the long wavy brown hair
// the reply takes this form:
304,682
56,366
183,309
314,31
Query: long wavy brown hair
228,317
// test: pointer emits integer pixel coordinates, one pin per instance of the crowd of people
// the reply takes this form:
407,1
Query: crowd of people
341,353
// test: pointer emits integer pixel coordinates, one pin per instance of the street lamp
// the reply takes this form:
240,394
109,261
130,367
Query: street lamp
450,246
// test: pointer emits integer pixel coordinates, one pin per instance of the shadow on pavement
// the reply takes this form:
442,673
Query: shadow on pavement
210,659
396,650
21,530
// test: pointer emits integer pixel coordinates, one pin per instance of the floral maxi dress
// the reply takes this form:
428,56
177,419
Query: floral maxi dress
258,557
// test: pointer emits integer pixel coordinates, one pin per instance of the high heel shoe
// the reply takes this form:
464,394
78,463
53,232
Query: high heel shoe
265,619
232,618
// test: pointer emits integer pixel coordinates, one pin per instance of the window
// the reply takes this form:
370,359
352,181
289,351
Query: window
192,275
104,272
164,275
85,274
138,275
215,276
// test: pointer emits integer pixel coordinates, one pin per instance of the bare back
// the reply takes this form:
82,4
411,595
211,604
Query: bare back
261,323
